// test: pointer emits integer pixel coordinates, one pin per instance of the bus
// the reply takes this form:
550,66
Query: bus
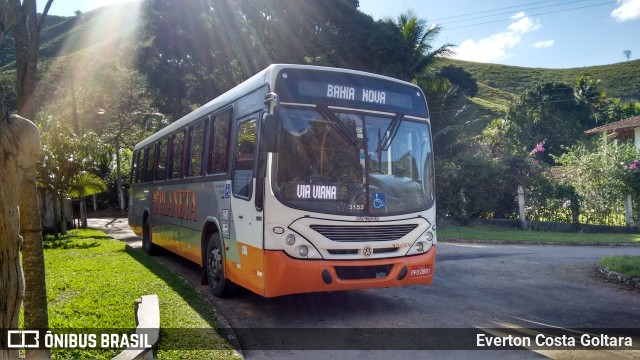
300,179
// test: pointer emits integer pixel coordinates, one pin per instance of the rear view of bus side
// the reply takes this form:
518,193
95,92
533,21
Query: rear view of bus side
300,179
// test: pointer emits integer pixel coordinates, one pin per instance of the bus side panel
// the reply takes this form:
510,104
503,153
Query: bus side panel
249,272
205,199
138,201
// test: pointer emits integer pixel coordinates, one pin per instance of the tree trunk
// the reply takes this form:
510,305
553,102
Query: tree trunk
83,212
20,145
35,299
119,177
11,278
63,216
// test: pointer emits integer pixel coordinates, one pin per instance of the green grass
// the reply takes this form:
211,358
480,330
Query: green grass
505,234
626,265
92,284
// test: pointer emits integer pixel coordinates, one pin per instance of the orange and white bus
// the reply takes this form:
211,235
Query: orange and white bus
300,179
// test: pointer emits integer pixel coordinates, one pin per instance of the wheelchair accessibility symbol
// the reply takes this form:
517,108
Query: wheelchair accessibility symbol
378,201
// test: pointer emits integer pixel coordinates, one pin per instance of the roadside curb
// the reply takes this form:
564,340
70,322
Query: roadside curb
618,278
513,242
225,330
133,242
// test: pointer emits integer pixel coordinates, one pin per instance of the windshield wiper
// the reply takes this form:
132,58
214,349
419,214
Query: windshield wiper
342,129
390,133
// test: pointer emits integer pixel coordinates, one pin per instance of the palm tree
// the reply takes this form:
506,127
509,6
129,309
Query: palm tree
85,184
417,53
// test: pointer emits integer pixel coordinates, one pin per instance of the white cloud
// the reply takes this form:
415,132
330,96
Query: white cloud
523,26
494,48
627,10
543,44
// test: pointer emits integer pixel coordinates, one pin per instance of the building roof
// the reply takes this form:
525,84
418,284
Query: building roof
621,126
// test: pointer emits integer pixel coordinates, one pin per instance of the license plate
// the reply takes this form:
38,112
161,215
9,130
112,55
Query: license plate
424,270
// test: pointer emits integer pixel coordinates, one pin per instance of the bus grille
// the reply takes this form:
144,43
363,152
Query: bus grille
364,233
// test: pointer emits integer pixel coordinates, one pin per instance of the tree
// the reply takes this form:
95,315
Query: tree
417,53
586,91
122,104
20,145
550,113
69,165
193,52
83,185
627,54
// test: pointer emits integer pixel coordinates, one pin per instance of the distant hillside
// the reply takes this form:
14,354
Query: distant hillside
105,28
621,80
102,31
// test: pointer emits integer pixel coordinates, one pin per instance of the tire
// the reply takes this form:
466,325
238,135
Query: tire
219,284
147,243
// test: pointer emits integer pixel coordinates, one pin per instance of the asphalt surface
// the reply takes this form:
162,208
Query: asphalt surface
475,286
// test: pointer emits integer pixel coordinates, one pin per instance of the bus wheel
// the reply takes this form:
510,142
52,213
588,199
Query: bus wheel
147,244
220,286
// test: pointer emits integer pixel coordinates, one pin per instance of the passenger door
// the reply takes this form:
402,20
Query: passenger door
246,220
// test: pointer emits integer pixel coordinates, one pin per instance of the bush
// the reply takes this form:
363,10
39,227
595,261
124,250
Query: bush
474,186
602,179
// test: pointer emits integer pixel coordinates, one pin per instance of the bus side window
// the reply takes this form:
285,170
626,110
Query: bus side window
244,158
218,157
177,153
134,166
161,165
150,155
196,136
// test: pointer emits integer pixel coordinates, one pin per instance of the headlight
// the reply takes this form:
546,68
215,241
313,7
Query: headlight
428,235
291,239
303,250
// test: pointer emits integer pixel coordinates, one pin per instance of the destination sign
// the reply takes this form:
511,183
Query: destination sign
350,90
354,93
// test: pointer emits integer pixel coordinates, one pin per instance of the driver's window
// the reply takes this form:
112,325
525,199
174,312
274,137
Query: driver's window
244,159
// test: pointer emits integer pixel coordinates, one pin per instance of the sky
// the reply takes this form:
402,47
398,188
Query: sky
529,33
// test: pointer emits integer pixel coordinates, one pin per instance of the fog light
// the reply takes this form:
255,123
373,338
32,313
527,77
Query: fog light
429,235
291,239
303,250
420,247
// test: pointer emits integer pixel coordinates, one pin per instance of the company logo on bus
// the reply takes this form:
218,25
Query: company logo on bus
367,251
177,203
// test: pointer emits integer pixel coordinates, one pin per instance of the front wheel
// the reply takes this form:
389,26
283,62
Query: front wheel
220,286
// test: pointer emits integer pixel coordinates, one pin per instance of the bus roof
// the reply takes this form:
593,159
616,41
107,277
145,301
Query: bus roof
266,76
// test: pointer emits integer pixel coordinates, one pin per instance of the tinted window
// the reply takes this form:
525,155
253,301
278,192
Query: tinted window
135,163
244,158
161,164
149,156
218,158
196,134
177,150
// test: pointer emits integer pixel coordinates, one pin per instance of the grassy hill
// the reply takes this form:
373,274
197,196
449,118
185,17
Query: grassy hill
621,80
105,28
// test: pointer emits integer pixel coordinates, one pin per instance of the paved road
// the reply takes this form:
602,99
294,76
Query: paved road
475,286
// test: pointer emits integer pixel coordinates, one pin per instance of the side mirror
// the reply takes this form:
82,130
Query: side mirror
269,133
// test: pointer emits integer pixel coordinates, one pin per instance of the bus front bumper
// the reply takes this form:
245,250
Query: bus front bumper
285,275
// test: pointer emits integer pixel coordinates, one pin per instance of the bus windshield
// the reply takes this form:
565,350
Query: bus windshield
351,163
